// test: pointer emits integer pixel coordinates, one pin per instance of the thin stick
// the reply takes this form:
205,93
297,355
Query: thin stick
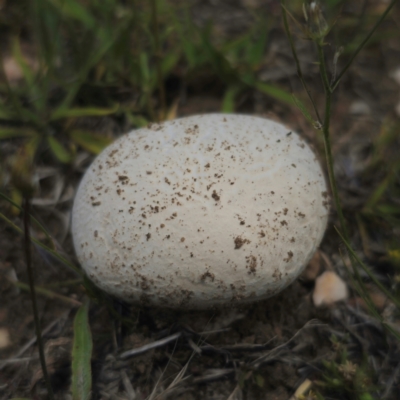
27,245
147,347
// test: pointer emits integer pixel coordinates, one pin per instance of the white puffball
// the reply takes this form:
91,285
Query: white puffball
202,211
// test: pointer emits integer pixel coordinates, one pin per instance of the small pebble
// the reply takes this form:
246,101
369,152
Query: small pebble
329,288
359,107
395,74
397,109
4,338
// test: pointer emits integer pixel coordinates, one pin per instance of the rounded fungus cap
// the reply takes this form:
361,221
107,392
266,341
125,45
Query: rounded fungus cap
201,211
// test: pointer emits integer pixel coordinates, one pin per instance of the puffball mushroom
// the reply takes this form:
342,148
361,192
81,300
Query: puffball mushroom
200,212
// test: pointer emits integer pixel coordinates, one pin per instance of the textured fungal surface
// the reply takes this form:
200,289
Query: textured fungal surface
201,211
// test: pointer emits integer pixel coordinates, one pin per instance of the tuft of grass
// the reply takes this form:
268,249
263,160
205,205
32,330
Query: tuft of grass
316,30
87,55
111,59
346,378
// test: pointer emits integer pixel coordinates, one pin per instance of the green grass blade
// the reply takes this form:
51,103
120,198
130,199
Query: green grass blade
228,102
256,50
378,193
58,150
5,113
187,35
20,398
31,117
91,142
145,72
11,133
17,54
137,121
81,383
235,47
82,112
75,10
272,91
47,293
300,105
190,52
169,62
34,91
219,62
46,24
93,59
390,209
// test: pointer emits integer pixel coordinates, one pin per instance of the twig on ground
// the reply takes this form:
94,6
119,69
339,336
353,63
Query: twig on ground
236,394
150,346
10,361
276,350
390,382
214,374
130,391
